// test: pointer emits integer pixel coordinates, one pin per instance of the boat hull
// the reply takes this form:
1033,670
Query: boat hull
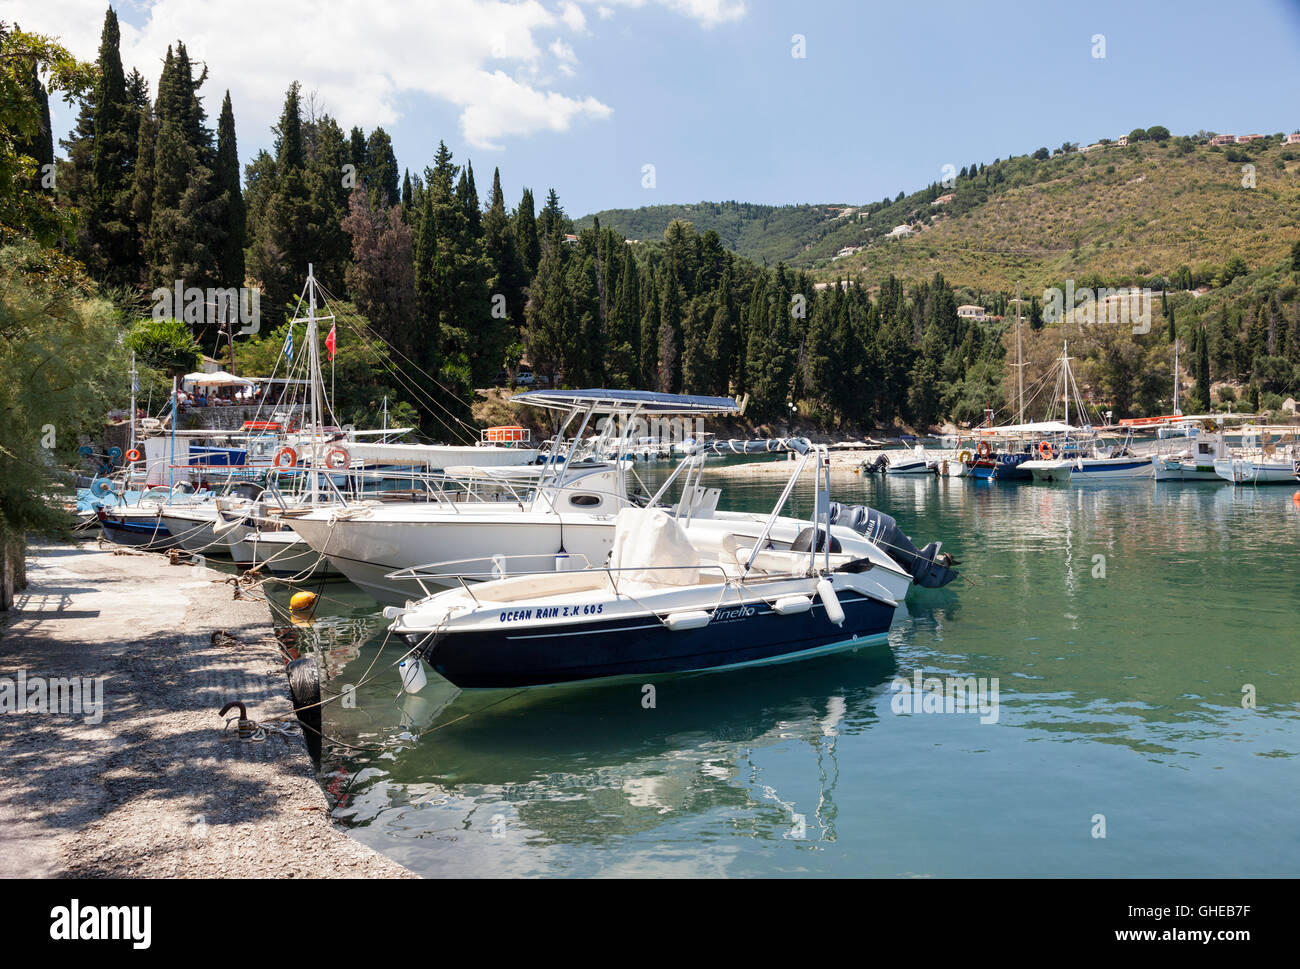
137,532
1256,472
366,551
285,553
736,636
1166,469
197,534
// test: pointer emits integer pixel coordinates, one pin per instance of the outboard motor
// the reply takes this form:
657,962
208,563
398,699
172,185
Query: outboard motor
928,567
878,466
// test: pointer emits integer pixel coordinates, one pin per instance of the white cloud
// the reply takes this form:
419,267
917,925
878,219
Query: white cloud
565,55
573,17
709,13
364,60
361,60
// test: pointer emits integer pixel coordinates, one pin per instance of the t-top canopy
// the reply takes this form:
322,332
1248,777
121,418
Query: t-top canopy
649,402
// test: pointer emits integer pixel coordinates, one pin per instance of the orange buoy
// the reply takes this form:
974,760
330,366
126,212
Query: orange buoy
133,455
338,459
1045,450
286,457
1295,498
984,449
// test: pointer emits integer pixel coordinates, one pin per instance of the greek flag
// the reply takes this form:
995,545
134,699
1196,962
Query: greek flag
288,343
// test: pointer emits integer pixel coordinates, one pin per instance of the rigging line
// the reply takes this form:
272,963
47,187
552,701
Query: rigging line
406,383
369,339
417,393
359,326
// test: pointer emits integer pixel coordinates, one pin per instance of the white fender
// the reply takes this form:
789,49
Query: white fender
834,611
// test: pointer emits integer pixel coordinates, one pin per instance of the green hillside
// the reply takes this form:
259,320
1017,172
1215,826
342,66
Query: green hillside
1112,213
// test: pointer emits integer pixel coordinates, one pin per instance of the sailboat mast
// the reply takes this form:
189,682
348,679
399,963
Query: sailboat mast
1020,364
317,382
1065,369
133,383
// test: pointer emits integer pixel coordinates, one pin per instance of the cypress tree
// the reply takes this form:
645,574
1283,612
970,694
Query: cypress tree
625,325
230,260
526,239
507,274
426,286
380,168
650,333
110,240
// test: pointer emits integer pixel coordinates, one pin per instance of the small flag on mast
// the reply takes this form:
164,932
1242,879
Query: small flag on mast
288,342
331,343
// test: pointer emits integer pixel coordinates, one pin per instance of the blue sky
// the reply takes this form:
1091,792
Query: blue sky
581,94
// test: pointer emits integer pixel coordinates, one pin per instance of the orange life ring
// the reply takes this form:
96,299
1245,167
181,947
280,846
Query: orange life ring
338,459
286,457
133,455
984,449
1045,450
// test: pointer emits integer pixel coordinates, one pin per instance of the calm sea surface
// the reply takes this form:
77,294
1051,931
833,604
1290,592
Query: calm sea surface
1129,627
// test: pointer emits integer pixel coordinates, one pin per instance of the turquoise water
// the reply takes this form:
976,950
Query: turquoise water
1119,711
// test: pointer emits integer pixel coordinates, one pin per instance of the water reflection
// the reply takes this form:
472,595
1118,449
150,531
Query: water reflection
591,764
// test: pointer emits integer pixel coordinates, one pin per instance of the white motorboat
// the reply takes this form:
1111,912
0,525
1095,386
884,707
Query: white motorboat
913,462
671,599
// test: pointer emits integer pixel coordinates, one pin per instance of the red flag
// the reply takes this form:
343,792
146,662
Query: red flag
331,344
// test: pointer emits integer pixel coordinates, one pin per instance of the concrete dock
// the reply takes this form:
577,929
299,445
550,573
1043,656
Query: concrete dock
151,786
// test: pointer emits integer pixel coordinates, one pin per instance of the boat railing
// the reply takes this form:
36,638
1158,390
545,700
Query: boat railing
438,570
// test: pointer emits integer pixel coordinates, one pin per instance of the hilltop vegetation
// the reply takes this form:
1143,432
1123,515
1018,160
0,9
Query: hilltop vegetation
1120,213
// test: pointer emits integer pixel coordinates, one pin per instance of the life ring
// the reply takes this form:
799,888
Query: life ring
286,457
964,457
1045,450
338,459
133,455
984,449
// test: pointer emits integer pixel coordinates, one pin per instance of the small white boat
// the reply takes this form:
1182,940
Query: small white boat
1258,469
915,462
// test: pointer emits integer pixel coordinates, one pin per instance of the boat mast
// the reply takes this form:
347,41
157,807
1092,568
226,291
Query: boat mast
317,382
133,383
1065,368
1020,365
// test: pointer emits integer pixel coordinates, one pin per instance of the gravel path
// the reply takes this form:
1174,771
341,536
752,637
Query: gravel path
155,789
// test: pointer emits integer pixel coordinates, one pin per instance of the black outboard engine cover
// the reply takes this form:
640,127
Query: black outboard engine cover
928,567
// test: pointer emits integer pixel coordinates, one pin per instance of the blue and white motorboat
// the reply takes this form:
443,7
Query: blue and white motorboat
674,599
